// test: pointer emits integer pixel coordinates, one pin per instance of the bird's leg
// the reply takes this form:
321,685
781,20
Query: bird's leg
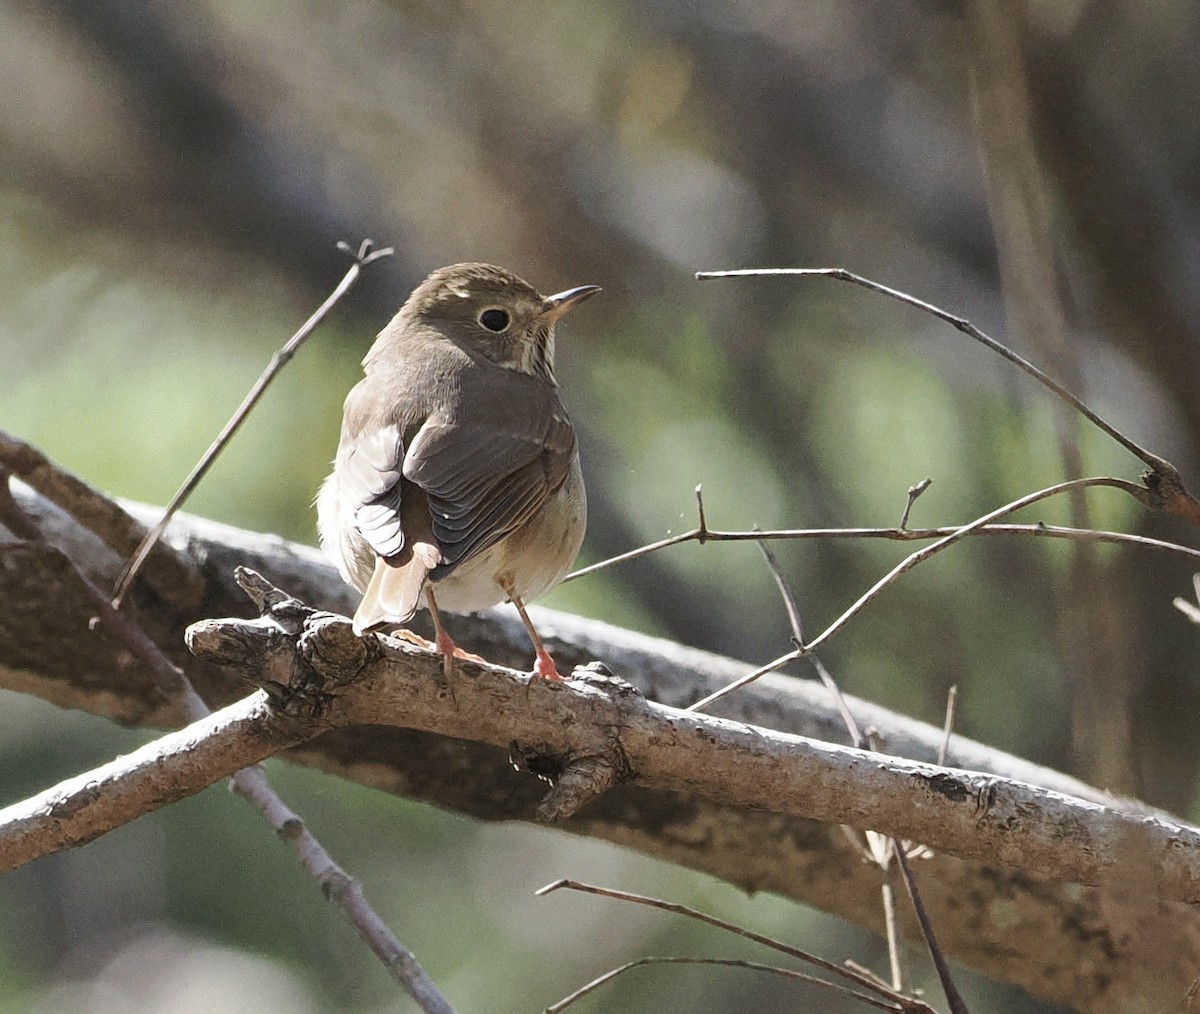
444,644
543,667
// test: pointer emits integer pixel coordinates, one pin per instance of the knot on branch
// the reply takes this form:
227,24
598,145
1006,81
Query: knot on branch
291,651
334,651
272,603
257,650
581,781
577,778
600,676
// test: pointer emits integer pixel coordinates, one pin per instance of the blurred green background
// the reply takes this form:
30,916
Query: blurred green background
173,180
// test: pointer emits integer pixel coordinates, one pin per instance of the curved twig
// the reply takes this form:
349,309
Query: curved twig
1164,489
755,966
366,254
866,981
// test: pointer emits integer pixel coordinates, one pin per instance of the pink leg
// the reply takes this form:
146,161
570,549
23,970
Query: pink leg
442,640
444,644
543,666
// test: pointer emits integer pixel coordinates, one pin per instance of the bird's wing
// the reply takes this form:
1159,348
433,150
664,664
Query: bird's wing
369,472
392,517
484,478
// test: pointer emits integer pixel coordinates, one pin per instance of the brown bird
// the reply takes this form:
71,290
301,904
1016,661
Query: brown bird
457,476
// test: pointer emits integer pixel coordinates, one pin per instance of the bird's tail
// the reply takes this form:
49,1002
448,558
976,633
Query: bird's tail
394,592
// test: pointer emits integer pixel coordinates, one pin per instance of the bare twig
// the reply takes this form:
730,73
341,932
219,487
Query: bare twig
891,932
749,678
337,885
923,554
892,935
754,966
948,725
861,979
913,493
907,564
953,997
891,534
1164,489
1191,611
793,611
366,254
785,591
677,909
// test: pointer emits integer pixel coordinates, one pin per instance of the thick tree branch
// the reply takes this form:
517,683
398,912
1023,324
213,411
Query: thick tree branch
176,766
170,574
961,813
330,678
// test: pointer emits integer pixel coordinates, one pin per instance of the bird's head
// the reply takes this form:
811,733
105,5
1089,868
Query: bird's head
493,312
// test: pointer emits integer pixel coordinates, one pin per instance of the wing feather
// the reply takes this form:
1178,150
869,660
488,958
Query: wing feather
487,476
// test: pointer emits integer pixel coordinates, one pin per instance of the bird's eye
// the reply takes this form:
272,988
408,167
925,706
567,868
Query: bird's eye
494,319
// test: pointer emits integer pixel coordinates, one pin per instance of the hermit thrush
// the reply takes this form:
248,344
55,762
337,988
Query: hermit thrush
457,476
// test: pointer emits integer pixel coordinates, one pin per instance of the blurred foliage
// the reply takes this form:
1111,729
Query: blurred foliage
173,181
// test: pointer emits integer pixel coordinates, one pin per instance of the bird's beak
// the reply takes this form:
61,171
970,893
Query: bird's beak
561,302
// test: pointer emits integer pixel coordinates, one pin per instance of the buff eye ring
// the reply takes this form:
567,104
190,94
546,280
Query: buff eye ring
494,319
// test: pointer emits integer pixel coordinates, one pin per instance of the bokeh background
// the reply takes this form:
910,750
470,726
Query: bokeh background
173,180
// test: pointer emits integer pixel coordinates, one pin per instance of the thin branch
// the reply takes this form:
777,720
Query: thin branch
793,611
907,564
754,966
960,324
365,255
891,933
337,885
923,554
957,1005
1163,491
851,974
913,493
948,725
750,677
1038,530
785,591
1190,610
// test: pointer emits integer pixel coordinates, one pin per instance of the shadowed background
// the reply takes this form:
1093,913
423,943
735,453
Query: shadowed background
173,180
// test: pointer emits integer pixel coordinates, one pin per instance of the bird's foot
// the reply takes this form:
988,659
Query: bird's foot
413,638
448,648
544,668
